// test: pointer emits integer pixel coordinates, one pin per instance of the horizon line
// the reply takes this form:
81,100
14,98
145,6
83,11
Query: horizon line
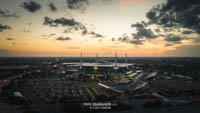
98,56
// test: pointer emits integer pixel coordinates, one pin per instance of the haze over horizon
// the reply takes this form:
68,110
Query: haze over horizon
149,28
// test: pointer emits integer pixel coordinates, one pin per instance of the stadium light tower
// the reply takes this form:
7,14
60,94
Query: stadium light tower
116,67
81,61
97,59
126,58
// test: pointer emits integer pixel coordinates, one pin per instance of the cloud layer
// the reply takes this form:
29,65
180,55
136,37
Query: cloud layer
52,7
77,4
4,27
176,14
63,38
7,14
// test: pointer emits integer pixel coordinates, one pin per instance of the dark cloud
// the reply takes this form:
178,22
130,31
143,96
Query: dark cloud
52,34
9,38
176,14
113,39
4,52
77,4
136,41
49,35
63,38
126,39
157,30
60,21
174,39
65,31
4,27
161,35
143,32
31,6
83,28
84,32
92,33
97,35
187,32
26,31
168,29
52,6
185,50
71,24
7,14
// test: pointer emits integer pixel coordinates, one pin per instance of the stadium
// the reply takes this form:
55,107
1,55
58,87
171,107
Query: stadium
99,67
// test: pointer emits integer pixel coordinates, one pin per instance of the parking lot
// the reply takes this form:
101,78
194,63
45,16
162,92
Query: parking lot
50,90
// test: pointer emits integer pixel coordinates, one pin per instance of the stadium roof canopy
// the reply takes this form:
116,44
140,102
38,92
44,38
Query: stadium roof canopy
99,64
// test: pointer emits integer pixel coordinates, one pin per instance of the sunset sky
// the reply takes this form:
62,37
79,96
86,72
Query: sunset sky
69,27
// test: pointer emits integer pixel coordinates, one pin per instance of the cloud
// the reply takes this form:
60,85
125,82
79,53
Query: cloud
174,39
185,50
176,14
4,27
49,35
77,4
9,38
157,30
63,39
124,38
4,52
26,31
97,35
143,32
31,6
52,6
52,34
136,42
132,40
187,32
7,14
71,24
62,21
113,39
84,32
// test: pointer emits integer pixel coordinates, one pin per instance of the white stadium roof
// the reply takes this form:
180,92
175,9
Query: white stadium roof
99,64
